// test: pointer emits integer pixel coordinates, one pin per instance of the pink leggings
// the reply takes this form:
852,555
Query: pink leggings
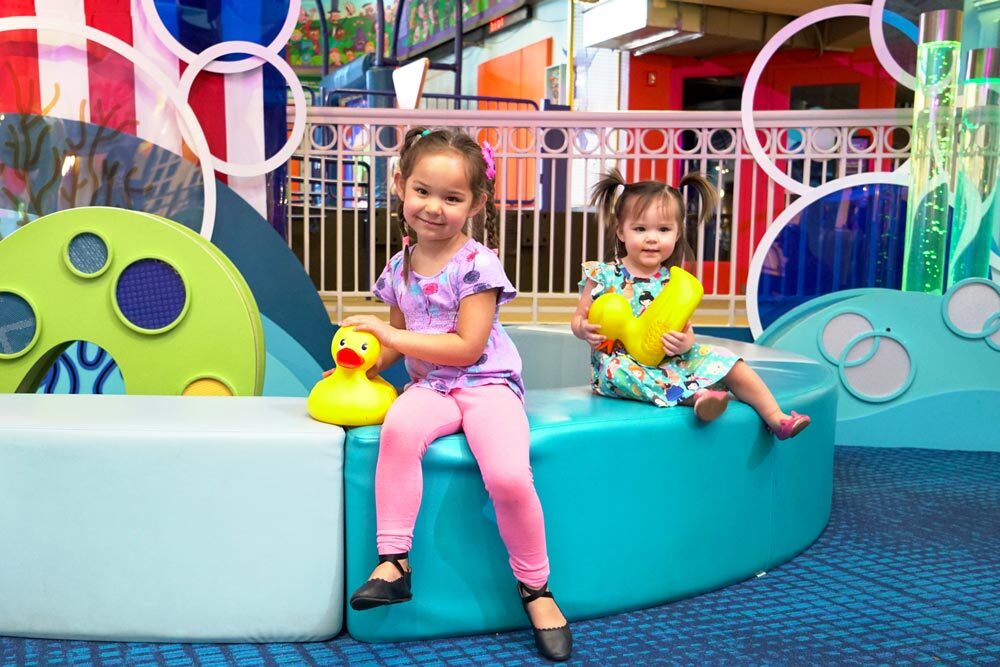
496,427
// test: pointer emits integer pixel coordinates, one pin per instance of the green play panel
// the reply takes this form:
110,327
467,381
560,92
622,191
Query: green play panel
168,305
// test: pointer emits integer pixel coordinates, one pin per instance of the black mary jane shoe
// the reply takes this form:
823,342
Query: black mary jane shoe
553,643
378,592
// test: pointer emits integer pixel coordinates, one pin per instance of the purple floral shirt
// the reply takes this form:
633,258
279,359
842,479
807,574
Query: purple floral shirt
430,305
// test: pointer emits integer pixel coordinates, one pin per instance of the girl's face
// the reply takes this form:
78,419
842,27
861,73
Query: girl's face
649,239
437,199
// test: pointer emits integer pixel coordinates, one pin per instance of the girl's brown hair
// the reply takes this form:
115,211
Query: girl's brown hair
422,141
618,200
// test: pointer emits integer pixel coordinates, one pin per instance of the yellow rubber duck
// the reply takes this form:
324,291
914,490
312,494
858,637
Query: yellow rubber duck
669,311
347,397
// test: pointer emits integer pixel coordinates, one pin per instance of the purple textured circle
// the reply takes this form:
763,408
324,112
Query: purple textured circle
151,294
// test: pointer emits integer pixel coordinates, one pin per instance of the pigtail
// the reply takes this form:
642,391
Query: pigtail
413,135
706,192
491,217
607,195
709,199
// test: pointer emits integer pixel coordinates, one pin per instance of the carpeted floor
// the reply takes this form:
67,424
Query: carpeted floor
906,573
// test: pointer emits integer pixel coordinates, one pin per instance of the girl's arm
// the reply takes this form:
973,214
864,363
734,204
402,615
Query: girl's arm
462,348
388,356
581,326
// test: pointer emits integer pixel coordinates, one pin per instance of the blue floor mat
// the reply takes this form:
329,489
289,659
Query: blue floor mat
906,573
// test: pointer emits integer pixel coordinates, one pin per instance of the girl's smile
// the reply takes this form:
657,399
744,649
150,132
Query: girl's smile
649,240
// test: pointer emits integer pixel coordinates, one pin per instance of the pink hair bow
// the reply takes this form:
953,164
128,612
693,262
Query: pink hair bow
491,169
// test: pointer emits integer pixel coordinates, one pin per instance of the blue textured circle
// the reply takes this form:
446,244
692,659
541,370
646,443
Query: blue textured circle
17,323
151,294
88,253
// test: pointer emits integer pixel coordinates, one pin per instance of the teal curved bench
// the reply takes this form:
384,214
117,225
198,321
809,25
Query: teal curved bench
628,489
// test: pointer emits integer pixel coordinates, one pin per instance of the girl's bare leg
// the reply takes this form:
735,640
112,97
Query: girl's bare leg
748,387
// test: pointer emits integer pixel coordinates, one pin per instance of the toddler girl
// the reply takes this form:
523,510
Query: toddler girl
647,222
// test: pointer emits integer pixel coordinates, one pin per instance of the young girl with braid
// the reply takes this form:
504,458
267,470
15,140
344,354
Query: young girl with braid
444,292
647,233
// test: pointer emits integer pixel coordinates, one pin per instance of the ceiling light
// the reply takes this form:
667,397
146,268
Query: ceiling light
651,39
671,40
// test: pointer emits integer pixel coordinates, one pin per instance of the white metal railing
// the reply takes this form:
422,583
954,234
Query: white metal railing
341,220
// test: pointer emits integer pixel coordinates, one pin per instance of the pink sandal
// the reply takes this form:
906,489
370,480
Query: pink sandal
790,427
709,404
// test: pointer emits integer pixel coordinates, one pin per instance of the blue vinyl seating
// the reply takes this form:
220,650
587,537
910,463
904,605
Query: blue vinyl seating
165,518
628,489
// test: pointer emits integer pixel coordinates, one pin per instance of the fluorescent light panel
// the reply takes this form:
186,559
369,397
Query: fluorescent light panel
670,40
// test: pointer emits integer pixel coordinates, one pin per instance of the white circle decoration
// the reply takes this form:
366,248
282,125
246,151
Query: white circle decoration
876,28
224,67
839,330
165,83
298,127
753,77
882,373
971,308
789,214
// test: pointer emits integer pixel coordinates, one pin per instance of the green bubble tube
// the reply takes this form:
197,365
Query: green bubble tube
977,167
931,154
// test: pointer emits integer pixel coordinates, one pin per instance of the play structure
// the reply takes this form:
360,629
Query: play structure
162,528
211,502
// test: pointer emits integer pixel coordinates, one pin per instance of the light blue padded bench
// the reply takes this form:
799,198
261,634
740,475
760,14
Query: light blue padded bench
643,505
169,518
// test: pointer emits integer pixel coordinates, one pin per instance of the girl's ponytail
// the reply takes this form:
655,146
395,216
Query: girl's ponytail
706,192
607,195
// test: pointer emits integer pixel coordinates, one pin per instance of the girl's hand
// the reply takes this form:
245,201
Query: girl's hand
678,342
381,329
590,332
376,369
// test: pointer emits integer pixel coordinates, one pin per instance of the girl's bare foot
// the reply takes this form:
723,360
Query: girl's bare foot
709,404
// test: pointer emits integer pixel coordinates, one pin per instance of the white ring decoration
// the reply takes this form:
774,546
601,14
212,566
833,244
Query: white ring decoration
225,67
298,127
166,84
753,77
876,28
786,216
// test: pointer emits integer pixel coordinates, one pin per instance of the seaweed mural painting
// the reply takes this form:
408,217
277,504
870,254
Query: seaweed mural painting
49,163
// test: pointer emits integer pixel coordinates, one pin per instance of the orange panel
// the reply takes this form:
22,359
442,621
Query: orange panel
518,74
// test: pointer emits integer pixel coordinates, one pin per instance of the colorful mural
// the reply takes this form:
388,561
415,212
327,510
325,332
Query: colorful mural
426,23
351,34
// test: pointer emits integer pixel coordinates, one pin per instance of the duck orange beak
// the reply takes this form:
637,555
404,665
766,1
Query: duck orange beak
348,358
607,347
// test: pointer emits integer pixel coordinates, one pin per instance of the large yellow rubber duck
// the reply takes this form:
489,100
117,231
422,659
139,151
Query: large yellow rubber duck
347,397
669,311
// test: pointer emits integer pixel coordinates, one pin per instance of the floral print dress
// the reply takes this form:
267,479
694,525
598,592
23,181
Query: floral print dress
430,305
617,374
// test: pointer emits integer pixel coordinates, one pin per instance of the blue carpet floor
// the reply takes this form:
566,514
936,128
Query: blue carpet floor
906,573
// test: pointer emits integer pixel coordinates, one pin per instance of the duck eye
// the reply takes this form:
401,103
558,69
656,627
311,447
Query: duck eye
364,347
343,342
